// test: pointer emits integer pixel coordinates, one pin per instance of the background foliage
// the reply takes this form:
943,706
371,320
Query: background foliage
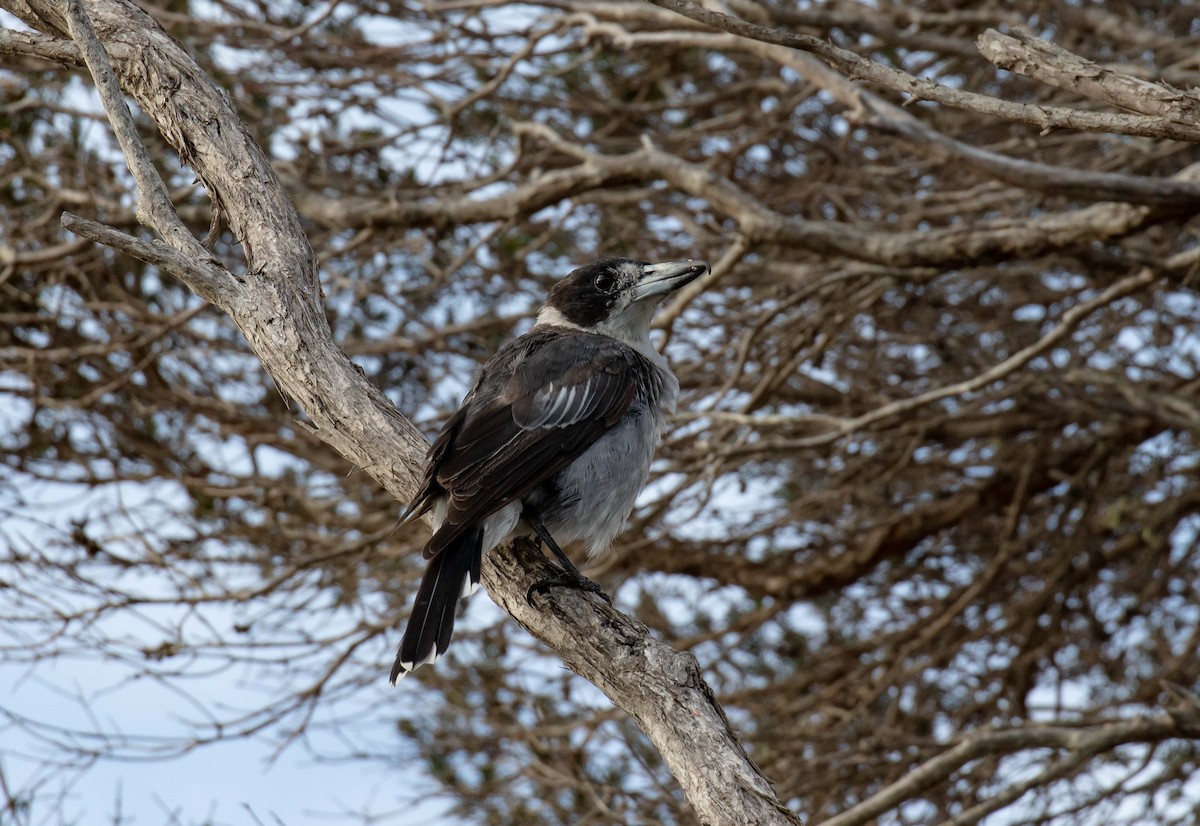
931,494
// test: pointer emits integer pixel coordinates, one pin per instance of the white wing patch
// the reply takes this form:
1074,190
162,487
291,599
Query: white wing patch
558,406
575,410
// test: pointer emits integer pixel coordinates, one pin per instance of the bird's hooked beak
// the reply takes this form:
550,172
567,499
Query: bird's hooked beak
658,280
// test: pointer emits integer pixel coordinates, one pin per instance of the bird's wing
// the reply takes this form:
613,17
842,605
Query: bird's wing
558,399
429,489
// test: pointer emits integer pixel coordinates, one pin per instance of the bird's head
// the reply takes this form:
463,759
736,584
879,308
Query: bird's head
617,296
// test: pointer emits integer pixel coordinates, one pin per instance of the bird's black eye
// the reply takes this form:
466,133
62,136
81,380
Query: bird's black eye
604,282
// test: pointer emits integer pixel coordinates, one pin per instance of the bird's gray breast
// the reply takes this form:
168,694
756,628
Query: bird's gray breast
595,494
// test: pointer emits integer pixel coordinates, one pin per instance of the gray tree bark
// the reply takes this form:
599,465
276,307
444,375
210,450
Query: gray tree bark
276,303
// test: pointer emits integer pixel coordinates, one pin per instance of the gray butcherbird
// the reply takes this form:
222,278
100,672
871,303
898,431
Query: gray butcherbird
555,439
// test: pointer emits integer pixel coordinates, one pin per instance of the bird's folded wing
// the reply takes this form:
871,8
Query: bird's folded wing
560,398
429,489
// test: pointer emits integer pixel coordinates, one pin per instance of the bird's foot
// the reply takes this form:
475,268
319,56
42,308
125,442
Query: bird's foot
565,579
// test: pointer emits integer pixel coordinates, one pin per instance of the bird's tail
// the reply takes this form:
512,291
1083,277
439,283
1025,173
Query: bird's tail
453,573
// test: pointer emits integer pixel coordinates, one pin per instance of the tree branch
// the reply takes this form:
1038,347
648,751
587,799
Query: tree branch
940,247
40,47
1028,174
1024,54
203,272
943,247
662,688
277,306
1069,321
1080,743
154,209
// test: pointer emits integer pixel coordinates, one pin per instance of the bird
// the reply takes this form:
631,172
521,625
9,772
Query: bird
554,440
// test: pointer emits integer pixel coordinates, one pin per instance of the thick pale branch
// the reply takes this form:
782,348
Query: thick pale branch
661,687
1053,65
276,303
277,306
40,47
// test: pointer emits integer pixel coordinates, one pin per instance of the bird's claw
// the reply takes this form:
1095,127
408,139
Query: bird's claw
565,579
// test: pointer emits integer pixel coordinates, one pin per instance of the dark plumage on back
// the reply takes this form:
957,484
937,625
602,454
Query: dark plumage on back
555,438
555,403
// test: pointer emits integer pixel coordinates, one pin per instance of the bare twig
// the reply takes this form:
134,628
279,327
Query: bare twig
204,270
1090,185
1080,743
1069,321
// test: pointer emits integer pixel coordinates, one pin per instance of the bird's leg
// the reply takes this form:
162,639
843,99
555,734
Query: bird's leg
570,577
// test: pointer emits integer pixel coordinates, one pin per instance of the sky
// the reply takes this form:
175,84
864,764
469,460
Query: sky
237,782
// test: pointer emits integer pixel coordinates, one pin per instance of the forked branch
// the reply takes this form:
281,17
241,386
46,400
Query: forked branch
277,305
